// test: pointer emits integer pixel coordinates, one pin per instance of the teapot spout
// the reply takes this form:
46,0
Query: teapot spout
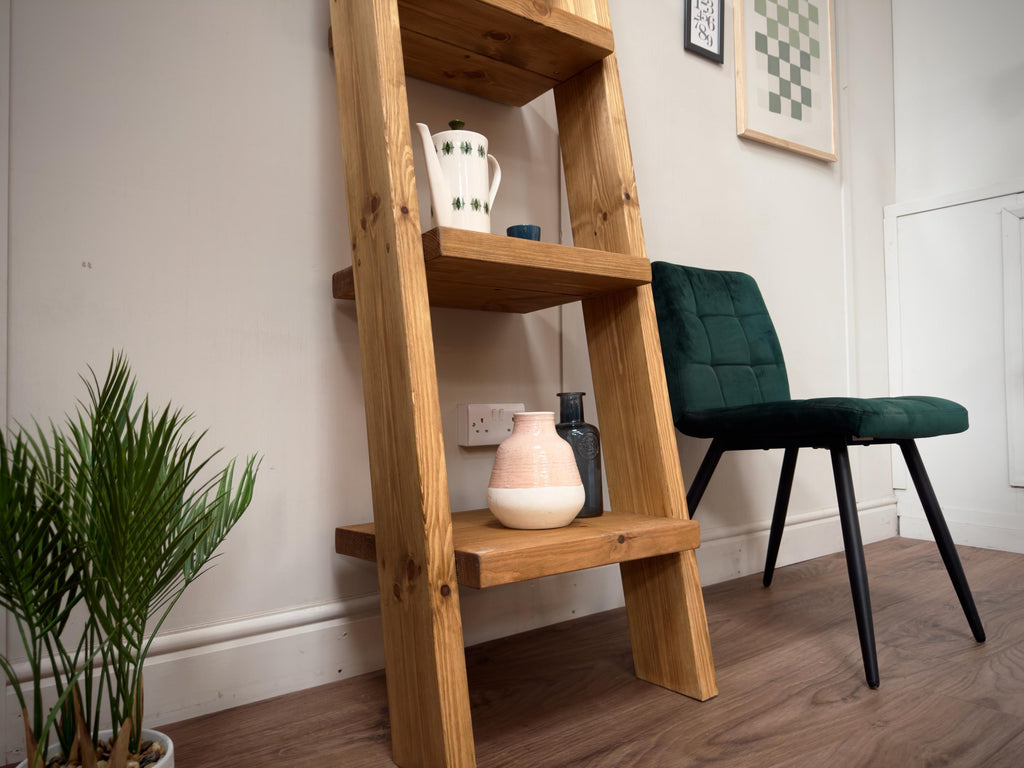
440,196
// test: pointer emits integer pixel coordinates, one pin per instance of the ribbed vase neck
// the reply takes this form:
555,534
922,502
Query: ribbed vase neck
533,421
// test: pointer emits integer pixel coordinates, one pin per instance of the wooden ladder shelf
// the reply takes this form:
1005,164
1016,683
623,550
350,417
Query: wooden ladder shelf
508,51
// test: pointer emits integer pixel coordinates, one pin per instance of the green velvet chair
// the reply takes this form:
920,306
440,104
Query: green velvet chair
727,381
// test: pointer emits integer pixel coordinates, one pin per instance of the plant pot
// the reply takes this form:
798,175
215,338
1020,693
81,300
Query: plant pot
167,761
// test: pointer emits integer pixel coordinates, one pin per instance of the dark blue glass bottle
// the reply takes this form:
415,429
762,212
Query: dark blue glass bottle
586,444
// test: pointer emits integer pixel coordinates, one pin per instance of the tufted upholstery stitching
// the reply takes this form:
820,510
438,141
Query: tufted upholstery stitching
726,373
730,355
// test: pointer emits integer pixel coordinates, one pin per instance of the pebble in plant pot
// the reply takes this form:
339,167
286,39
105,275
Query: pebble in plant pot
155,751
534,482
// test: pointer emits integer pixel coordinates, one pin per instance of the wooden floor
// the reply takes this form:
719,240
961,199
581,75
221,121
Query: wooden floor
789,670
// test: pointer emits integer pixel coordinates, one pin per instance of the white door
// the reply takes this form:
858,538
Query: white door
951,319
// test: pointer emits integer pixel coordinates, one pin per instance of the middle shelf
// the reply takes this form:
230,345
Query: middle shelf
478,270
488,554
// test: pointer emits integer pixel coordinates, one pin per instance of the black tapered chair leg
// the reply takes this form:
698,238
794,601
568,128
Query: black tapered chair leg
703,476
855,561
942,538
779,515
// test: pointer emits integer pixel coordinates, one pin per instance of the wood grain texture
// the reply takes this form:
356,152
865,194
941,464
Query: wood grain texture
504,50
668,625
413,540
488,554
592,10
599,176
441,62
567,17
741,70
416,565
476,270
789,666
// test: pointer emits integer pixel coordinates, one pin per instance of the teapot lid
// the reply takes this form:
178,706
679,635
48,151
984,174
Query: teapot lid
457,125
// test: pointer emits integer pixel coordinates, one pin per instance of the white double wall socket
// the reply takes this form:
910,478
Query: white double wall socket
486,423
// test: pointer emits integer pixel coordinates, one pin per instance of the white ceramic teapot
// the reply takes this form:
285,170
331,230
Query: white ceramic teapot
457,170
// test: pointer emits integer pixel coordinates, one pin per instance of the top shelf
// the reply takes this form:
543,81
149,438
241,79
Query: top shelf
477,270
509,51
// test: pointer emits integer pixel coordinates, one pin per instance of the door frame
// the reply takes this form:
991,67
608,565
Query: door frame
893,313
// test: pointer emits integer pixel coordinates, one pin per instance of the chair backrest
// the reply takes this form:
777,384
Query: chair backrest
717,340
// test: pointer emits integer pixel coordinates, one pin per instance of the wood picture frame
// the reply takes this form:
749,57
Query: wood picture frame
785,75
703,28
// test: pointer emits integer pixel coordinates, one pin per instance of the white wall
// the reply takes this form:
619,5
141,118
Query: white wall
176,192
959,74
959,86
5,81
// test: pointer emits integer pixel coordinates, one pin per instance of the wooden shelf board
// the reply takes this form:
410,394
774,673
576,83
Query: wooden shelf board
488,554
509,51
477,270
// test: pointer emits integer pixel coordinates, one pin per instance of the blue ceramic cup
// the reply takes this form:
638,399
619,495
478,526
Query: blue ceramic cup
525,231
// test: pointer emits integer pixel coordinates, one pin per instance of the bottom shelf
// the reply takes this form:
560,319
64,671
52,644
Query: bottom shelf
488,554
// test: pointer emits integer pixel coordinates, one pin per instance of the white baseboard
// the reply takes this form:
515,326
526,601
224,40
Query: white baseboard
730,553
204,670
1002,537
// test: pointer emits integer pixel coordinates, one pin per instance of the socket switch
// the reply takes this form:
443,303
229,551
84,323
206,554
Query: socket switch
486,423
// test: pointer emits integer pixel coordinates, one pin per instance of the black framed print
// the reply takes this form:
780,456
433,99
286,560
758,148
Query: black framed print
702,28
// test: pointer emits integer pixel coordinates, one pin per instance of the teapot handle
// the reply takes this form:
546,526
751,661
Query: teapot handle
495,178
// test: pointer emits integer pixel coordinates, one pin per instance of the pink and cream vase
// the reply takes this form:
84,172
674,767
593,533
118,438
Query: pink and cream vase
535,482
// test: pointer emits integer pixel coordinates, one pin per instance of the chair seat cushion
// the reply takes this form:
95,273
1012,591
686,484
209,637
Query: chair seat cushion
882,418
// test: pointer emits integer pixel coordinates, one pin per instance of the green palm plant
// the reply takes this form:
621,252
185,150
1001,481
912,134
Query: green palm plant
125,523
40,584
148,526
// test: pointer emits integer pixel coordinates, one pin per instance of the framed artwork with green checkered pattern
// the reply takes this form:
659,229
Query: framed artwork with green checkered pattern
785,75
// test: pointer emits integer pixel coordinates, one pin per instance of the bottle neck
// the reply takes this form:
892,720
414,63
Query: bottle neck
571,410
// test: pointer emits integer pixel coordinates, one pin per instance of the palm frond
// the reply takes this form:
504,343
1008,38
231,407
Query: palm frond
39,566
113,510
150,523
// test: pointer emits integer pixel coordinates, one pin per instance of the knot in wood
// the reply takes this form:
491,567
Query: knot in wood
445,590
542,7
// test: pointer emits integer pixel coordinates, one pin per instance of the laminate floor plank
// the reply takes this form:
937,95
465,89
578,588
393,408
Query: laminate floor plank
790,675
